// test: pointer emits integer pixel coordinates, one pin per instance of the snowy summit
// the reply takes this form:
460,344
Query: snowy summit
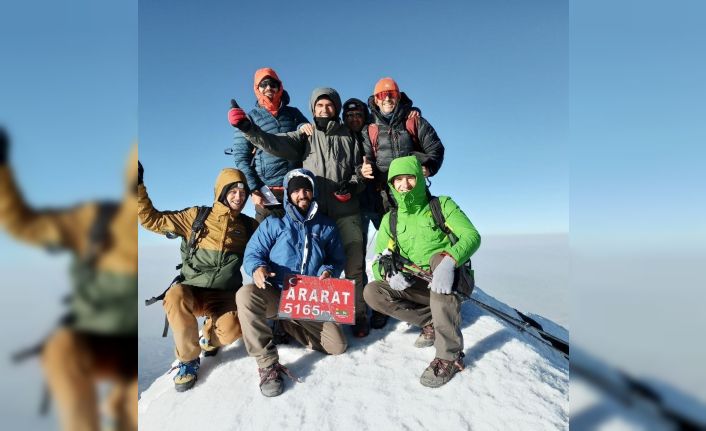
511,381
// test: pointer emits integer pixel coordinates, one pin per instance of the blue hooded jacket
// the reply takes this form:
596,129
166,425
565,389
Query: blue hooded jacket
296,244
261,168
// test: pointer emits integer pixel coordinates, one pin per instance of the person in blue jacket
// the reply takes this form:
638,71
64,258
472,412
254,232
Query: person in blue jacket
273,115
304,242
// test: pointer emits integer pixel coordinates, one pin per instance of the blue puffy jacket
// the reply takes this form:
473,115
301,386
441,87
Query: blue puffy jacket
296,244
261,168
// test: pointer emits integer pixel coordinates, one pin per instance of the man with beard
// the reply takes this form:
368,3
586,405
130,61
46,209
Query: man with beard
306,242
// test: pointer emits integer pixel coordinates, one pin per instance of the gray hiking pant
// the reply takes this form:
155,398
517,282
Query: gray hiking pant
256,305
420,306
351,232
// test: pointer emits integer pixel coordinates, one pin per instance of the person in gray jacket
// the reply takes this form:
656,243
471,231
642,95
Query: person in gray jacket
328,149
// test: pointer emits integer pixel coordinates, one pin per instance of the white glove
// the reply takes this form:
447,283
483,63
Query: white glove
443,276
399,282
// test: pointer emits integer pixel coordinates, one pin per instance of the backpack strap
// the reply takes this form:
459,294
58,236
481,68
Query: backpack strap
196,228
98,234
412,126
393,227
439,218
373,132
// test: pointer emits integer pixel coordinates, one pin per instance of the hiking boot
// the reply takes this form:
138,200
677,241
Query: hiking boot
361,328
378,320
271,384
426,338
206,347
440,371
187,374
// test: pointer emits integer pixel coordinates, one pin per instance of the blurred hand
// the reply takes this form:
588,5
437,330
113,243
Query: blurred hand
307,129
4,145
414,113
399,281
260,277
367,170
257,199
425,171
140,173
443,276
324,275
237,117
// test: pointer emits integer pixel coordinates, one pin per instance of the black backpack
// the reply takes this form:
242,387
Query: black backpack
464,280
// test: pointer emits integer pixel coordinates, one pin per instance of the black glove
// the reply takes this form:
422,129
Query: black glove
4,145
344,187
140,172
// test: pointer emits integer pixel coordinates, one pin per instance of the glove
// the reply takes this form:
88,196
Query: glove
140,173
399,281
237,117
443,276
343,193
4,145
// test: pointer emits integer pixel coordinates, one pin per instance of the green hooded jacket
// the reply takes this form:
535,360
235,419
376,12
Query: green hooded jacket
418,236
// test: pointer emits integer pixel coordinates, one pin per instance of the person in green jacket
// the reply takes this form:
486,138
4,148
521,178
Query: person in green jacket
432,306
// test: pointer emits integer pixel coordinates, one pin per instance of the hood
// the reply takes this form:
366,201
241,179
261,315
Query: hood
271,105
354,103
417,197
325,91
288,206
225,178
399,115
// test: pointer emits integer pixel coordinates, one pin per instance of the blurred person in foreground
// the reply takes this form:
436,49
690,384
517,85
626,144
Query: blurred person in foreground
211,254
97,338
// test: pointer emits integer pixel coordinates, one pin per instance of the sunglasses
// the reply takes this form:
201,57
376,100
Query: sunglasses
354,115
392,94
273,84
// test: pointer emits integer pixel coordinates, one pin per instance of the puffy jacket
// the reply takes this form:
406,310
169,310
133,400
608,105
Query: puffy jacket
395,141
418,236
219,254
104,281
261,168
332,155
296,244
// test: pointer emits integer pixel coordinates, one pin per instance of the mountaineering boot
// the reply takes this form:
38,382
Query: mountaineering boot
378,320
206,347
271,384
426,337
186,376
440,371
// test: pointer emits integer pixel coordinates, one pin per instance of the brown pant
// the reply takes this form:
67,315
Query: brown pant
183,304
75,362
420,306
351,232
257,305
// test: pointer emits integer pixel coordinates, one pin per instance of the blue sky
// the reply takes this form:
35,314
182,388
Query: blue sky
69,99
491,77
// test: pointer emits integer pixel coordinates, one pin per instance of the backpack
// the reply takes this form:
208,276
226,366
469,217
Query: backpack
189,247
412,126
464,280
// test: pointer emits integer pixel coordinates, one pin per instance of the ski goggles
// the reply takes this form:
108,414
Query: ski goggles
392,94
272,83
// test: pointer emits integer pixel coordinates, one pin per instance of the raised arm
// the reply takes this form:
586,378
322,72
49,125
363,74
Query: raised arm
162,222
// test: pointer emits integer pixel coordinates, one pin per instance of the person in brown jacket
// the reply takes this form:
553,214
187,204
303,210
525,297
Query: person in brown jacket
97,339
210,272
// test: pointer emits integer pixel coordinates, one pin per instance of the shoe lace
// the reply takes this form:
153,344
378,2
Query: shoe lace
272,372
190,367
442,367
428,331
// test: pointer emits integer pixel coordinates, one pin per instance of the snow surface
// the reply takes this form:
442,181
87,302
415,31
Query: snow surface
511,381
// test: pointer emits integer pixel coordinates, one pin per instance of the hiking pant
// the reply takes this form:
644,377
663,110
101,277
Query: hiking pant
349,228
420,306
256,305
75,362
184,303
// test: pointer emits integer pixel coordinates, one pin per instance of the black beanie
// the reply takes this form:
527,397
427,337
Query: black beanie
299,182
